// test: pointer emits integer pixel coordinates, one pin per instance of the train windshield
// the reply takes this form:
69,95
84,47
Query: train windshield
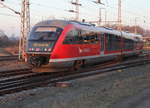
45,34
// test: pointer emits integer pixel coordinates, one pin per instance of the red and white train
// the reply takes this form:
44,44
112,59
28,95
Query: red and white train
63,43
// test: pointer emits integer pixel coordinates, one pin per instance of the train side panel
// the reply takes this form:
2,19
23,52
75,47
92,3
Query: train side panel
68,52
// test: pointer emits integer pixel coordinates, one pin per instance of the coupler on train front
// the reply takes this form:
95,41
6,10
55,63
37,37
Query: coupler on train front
38,60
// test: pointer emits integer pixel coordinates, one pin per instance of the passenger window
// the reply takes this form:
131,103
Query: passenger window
89,37
81,37
113,42
128,44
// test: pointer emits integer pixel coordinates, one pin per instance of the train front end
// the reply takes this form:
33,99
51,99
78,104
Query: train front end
41,42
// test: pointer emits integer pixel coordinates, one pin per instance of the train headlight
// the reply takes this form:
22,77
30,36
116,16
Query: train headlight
49,49
45,49
30,49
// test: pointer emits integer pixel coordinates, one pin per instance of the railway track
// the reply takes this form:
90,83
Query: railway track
29,79
6,58
11,73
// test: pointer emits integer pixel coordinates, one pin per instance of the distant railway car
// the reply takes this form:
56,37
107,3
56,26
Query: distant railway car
69,43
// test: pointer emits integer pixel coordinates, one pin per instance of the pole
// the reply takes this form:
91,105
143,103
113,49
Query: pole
22,30
25,28
25,25
105,16
119,15
135,29
144,25
77,10
22,24
100,16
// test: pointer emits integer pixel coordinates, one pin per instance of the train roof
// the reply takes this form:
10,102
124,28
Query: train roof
63,23
58,23
127,35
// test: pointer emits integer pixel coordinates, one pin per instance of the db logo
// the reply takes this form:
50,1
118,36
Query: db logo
85,50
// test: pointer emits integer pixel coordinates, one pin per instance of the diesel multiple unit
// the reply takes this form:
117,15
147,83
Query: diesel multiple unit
69,43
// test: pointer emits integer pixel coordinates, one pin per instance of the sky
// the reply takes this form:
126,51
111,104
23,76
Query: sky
49,9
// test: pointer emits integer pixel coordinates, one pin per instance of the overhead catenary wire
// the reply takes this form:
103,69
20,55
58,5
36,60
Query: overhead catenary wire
89,1
4,14
5,6
84,6
61,9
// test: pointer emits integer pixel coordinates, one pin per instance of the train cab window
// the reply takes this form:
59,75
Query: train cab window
45,34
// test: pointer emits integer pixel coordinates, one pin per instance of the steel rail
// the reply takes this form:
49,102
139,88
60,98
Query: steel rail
34,80
6,58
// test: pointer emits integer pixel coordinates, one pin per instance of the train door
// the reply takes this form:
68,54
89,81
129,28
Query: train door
102,44
122,44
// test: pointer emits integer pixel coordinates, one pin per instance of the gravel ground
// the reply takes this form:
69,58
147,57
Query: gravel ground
101,91
141,100
12,65
4,52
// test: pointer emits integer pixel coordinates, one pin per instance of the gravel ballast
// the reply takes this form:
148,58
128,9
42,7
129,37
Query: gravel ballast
100,91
